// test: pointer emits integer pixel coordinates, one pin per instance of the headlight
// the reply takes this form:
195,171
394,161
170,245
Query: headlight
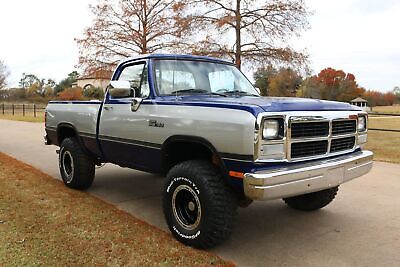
362,123
273,129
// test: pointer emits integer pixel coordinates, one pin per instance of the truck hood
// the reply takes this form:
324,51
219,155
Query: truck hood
265,104
272,104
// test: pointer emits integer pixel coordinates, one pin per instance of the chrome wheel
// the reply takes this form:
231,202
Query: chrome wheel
186,207
68,166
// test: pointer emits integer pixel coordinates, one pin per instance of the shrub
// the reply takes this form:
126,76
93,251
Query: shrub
93,92
74,93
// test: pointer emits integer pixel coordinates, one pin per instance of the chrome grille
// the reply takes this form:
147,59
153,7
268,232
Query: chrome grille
343,127
308,149
308,139
342,144
310,129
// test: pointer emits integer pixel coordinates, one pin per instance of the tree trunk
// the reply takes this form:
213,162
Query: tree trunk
144,40
238,51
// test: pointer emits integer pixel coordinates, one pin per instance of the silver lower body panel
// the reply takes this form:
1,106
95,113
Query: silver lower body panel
308,177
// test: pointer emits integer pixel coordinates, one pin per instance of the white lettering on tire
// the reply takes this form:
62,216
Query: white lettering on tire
183,179
186,236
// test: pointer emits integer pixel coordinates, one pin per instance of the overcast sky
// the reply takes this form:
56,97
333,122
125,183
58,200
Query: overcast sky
358,36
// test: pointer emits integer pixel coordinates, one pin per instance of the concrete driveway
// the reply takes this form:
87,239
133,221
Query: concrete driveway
361,227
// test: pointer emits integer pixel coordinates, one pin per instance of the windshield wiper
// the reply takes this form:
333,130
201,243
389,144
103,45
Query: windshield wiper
194,90
238,92
219,94
191,90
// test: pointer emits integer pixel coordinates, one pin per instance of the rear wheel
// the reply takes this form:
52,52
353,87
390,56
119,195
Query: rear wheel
198,205
77,169
312,201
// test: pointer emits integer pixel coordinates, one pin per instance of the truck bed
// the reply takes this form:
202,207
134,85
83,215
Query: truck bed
80,115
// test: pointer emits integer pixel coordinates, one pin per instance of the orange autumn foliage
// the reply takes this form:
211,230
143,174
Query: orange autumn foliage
331,84
74,93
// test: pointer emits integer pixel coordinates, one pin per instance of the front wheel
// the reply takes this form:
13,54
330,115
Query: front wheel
312,201
198,205
77,169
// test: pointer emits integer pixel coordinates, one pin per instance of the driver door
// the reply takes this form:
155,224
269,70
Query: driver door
121,130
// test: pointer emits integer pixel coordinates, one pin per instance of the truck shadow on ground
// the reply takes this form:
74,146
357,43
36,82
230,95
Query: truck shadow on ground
270,233
117,185
264,228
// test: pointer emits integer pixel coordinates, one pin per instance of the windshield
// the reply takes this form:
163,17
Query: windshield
199,77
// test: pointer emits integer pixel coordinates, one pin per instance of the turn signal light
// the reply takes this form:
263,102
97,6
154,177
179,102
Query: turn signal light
236,174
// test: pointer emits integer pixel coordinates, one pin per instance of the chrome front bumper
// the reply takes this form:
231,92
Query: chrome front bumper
306,178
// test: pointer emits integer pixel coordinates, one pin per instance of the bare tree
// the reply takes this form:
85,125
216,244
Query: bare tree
122,28
4,73
253,30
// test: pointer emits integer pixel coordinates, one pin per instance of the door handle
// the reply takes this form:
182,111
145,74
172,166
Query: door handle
108,108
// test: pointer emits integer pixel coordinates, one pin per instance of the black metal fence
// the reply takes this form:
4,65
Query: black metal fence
384,114
383,130
31,110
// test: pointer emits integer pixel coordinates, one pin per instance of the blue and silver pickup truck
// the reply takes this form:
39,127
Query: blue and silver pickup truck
200,122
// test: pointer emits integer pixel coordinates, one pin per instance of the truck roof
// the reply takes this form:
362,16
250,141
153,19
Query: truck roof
176,56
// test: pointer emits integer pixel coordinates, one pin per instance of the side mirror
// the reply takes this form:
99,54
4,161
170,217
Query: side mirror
120,89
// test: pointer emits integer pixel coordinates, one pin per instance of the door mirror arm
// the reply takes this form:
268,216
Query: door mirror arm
135,104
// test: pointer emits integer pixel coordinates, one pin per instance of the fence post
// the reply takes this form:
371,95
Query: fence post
3,108
13,109
34,110
23,110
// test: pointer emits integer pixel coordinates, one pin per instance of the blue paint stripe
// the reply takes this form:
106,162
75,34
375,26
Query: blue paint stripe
129,141
254,110
253,167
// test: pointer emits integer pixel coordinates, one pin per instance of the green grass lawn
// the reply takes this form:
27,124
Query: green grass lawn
43,223
30,118
387,109
385,122
385,145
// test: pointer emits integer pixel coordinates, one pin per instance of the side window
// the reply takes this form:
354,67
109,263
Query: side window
220,80
137,77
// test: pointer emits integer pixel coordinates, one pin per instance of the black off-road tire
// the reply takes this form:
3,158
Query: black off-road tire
77,169
193,187
312,201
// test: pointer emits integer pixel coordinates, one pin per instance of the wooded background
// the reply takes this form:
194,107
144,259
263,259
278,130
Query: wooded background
253,34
